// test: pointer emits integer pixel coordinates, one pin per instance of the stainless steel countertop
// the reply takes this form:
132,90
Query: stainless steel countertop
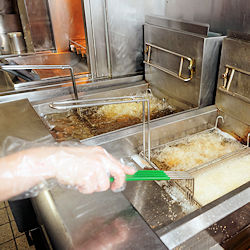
19,119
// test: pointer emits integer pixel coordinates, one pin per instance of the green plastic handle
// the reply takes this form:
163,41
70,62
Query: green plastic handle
146,175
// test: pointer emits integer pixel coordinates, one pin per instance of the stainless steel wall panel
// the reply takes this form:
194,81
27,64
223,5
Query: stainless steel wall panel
125,23
222,15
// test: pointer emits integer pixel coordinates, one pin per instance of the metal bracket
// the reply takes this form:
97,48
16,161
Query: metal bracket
229,74
62,67
182,58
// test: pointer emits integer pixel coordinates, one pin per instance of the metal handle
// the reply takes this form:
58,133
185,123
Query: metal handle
182,58
228,75
62,105
63,67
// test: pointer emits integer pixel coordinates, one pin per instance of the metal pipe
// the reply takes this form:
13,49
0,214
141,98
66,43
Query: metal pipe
107,38
149,135
144,128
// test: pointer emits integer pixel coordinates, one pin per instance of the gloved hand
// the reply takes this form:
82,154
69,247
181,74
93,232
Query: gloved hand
86,168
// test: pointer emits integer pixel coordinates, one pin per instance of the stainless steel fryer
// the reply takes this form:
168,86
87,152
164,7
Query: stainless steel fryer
181,92
176,221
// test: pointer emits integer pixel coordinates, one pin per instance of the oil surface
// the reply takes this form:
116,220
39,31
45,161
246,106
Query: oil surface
93,121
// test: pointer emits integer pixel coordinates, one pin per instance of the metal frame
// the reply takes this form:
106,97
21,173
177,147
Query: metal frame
62,105
211,161
179,75
62,67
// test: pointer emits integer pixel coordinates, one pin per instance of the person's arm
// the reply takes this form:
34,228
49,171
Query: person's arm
86,168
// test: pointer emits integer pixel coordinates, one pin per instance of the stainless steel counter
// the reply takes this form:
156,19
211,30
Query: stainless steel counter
19,119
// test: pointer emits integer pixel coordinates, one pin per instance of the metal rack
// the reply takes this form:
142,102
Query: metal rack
188,186
77,104
175,142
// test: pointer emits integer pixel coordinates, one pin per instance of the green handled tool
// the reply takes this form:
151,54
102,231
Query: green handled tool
156,175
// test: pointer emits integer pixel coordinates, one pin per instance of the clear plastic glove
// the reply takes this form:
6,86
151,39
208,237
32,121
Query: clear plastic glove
86,168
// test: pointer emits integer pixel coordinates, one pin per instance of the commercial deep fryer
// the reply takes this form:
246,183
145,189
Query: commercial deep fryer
177,221
71,218
184,79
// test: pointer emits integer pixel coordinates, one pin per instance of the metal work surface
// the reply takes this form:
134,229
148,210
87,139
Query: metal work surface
19,119
178,234
67,58
61,91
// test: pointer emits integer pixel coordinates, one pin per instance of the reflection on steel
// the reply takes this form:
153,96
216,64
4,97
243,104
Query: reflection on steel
62,67
217,120
228,77
248,140
182,57
62,105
